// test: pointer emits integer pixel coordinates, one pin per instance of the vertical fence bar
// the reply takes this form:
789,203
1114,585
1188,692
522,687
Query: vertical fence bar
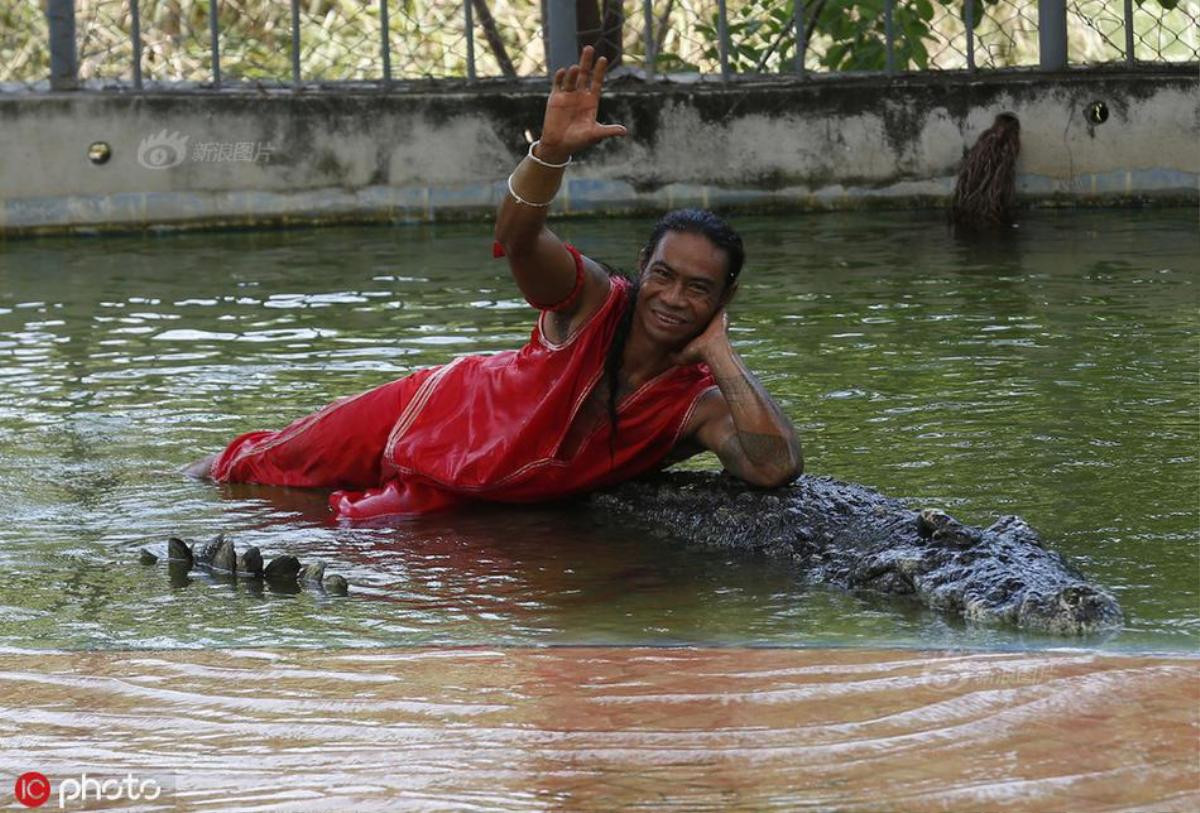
801,38
295,44
545,35
135,36
889,12
561,25
64,63
970,36
214,43
1129,60
470,27
385,45
1052,34
723,38
651,57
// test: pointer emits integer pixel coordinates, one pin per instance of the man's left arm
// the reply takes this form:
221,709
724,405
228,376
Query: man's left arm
742,424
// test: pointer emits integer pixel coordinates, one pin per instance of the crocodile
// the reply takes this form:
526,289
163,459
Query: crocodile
832,532
855,538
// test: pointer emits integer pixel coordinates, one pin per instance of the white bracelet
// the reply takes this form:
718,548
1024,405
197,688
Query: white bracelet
546,163
520,199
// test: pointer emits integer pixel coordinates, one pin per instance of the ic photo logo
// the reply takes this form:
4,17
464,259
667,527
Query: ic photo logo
162,150
33,789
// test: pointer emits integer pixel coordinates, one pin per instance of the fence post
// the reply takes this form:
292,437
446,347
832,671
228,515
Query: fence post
135,36
295,44
545,34
970,6
889,11
723,38
801,37
1052,34
385,47
651,57
214,43
560,28
1129,33
469,27
64,65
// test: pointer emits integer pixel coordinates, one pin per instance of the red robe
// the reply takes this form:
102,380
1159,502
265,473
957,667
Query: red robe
487,427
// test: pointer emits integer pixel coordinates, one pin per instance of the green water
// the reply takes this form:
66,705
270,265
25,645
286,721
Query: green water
1055,375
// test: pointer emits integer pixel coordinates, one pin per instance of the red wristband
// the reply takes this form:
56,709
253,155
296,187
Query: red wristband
575,292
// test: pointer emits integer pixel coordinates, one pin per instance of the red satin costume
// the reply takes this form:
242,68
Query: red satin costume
488,427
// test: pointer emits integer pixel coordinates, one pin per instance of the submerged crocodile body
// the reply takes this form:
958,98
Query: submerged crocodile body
856,538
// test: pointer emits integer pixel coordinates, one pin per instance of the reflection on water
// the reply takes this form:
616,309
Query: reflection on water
582,728
1053,375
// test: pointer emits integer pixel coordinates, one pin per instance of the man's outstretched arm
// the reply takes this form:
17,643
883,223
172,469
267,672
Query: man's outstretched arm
742,424
543,268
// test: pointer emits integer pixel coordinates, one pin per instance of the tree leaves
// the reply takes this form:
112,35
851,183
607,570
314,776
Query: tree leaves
762,33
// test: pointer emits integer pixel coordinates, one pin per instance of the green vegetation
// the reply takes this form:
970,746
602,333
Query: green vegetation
341,39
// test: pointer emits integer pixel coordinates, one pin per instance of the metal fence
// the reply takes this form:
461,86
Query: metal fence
215,43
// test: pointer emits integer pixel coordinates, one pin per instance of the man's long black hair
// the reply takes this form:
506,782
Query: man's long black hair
693,221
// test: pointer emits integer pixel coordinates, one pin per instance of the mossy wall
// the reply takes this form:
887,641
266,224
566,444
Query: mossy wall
254,157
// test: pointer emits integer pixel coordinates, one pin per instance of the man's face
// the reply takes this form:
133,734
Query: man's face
683,285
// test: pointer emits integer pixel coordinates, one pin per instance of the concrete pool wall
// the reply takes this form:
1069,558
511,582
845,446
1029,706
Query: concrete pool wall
258,156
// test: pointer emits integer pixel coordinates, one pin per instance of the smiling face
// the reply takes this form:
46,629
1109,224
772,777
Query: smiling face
683,285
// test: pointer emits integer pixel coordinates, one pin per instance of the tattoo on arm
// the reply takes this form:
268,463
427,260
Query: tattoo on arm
758,443
745,453
763,448
736,387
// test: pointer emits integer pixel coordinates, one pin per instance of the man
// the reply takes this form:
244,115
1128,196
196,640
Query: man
618,378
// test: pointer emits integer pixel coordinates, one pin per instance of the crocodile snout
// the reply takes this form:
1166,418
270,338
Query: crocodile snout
1076,609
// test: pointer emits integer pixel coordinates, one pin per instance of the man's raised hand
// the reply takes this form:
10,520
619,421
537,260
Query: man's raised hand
570,124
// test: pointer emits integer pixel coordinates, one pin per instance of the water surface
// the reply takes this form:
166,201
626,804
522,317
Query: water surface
614,728
1053,375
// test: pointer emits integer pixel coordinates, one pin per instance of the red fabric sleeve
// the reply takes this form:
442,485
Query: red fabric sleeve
498,251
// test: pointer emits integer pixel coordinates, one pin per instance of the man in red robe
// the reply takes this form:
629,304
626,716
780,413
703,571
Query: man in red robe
618,378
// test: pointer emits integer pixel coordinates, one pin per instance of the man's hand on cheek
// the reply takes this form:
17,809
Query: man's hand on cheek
714,338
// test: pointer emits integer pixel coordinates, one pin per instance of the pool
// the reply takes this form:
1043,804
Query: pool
1052,374
527,658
